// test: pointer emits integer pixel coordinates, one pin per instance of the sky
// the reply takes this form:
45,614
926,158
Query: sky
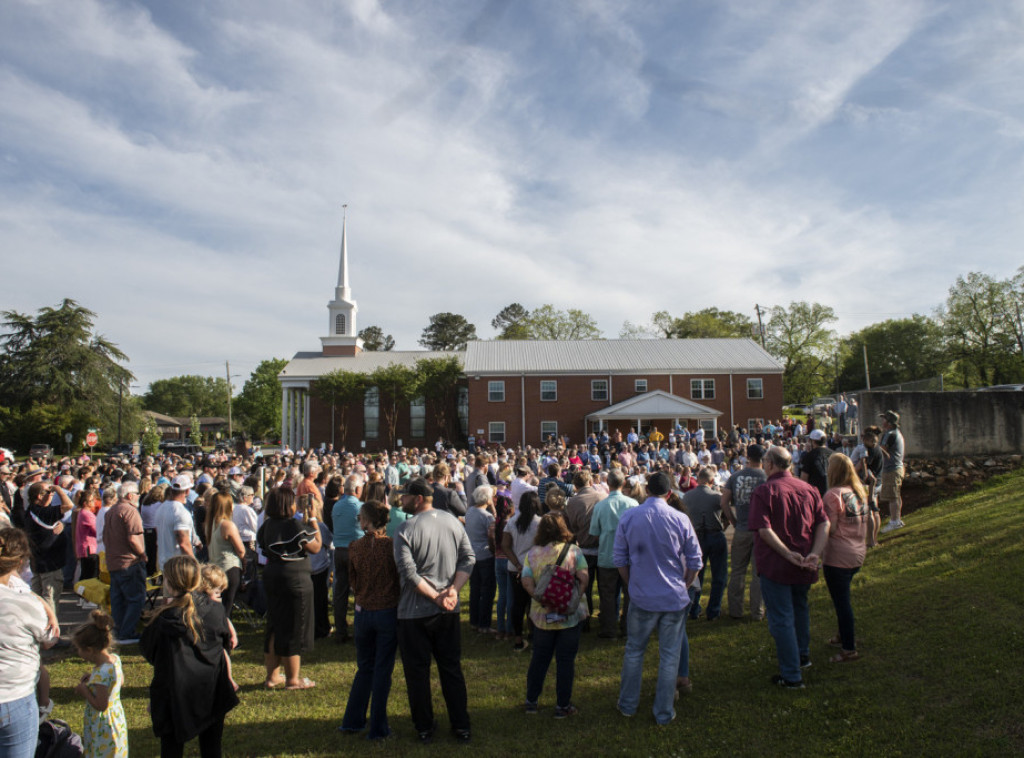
180,168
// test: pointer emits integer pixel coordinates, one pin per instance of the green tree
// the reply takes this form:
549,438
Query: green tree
58,376
187,395
259,404
196,432
899,350
511,323
340,389
397,385
978,319
374,339
550,323
150,437
706,323
801,339
447,331
439,380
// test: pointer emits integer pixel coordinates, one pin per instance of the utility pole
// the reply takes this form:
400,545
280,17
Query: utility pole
120,397
227,373
867,374
760,326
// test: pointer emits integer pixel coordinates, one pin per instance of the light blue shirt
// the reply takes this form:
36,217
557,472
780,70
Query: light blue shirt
345,515
658,544
603,523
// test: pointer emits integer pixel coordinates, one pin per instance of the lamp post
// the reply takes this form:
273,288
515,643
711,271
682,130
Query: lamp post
229,375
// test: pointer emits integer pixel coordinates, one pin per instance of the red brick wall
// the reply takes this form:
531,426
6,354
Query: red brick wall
574,401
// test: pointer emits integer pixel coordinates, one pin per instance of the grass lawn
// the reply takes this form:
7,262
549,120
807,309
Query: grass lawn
941,628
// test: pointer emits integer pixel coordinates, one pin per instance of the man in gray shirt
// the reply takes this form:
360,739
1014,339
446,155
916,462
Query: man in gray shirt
736,505
434,559
892,447
704,507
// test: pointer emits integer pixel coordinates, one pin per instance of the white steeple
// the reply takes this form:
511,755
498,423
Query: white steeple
343,336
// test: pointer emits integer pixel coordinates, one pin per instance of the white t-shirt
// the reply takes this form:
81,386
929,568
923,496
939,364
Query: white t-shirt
172,517
22,629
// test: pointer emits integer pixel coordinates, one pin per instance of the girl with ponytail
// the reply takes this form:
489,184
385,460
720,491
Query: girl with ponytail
191,691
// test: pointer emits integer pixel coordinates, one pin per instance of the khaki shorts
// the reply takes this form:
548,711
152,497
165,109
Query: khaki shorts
891,483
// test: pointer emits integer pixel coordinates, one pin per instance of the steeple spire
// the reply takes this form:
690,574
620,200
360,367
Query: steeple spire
343,292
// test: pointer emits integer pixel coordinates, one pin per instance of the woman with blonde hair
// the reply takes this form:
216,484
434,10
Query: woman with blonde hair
191,691
225,545
846,504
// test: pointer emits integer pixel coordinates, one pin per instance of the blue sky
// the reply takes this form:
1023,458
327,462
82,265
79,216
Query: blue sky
180,168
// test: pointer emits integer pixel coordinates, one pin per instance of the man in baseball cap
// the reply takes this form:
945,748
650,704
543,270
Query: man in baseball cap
175,529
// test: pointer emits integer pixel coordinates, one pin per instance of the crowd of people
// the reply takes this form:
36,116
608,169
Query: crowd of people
388,541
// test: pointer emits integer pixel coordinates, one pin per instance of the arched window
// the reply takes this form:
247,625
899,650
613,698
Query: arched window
339,324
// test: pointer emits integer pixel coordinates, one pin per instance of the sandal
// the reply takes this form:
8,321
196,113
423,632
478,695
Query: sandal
845,656
304,684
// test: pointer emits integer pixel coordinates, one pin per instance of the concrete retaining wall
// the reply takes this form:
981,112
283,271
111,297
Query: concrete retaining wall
952,423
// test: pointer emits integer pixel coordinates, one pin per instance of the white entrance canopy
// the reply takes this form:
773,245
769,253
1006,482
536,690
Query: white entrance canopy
655,405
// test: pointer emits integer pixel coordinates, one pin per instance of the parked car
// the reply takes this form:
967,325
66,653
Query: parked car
40,451
1003,388
6,456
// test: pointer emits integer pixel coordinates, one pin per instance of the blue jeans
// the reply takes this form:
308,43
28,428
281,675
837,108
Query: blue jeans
640,624
562,645
376,636
838,581
716,553
19,727
482,584
127,597
789,622
684,657
504,605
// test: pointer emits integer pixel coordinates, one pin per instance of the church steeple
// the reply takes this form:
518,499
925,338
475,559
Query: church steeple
343,338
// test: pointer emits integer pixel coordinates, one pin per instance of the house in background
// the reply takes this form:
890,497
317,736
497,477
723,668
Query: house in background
526,391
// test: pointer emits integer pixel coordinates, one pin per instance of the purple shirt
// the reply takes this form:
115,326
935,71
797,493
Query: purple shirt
658,544
793,509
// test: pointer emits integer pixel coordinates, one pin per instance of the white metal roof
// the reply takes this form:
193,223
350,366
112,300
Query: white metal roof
313,365
684,356
656,404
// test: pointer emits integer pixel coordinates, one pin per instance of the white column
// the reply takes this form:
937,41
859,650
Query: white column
284,415
305,417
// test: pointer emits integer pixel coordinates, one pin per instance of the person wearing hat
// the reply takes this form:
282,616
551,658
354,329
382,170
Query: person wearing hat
175,529
736,494
892,446
45,528
657,554
814,462
435,560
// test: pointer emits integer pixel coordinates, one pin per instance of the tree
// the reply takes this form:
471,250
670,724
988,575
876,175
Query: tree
447,331
58,376
340,389
511,323
631,331
396,385
195,430
799,337
187,395
706,323
899,350
259,404
978,319
439,380
549,323
150,438
374,339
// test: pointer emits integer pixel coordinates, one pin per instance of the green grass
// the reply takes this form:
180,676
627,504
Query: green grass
941,628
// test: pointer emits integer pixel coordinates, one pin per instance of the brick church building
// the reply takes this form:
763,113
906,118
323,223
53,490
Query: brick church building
527,391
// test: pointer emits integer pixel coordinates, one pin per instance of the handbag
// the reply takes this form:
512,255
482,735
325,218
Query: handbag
557,588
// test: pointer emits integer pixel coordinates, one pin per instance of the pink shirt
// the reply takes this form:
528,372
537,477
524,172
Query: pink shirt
85,533
846,547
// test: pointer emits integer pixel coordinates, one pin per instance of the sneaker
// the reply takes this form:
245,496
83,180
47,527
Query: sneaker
461,735
427,736
569,710
892,525
786,684
805,661
619,709
529,707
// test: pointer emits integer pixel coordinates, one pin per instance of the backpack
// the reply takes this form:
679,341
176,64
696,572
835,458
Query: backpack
56,740
557,588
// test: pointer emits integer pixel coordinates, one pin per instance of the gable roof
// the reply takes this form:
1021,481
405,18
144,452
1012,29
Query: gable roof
683,356
313,365
656,404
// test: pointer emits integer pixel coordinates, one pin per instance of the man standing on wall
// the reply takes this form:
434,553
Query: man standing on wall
892,447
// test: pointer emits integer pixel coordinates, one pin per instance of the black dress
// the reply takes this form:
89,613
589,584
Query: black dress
288,582
191,690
